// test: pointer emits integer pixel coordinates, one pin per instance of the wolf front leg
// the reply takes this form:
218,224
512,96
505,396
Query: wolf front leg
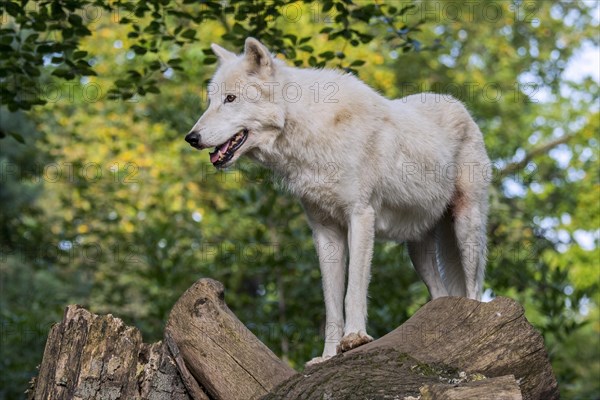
361,237
330,242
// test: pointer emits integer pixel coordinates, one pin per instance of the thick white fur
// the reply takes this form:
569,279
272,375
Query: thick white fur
413,169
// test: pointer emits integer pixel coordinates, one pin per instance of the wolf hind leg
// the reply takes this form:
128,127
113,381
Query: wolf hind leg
448,252
463,248
423,255
463,241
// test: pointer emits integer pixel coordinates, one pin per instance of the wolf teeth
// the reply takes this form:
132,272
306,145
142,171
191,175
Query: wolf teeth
229,146
236,139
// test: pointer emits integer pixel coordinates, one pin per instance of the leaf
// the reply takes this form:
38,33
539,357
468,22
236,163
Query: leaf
12,8
8,39
405,9
44,48
17,137
153,27
357,63
39,25
152,89
32,70
122,83
328,55
75,20
139,49
292,38
63,73
31,38
154,65
189,34
239,29
134,74
79,54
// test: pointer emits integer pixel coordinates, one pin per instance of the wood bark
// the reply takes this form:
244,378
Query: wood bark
451,349
446,340
493,339
501,388
98,357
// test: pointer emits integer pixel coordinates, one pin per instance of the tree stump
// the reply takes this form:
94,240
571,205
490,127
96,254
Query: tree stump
451,349
97,357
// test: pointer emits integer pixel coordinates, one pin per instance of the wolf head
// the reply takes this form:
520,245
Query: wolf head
244,111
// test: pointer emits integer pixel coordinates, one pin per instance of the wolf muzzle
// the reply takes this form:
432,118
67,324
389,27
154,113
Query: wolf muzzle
193,138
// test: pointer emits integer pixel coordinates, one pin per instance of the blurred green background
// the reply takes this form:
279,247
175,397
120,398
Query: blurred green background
104,204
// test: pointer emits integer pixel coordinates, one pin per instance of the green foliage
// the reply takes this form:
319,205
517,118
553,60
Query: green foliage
44,37
106,206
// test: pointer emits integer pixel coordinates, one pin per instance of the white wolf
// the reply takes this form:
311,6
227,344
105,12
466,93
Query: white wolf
413,169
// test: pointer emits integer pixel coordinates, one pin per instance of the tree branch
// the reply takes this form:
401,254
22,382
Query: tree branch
533,153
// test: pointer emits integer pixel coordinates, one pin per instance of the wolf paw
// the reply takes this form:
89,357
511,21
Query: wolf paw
352,341
317,360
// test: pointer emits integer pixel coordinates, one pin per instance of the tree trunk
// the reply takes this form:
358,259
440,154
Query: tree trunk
451,349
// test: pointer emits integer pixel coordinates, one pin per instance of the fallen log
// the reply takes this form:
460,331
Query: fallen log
219,351
451,340
501,388
452,348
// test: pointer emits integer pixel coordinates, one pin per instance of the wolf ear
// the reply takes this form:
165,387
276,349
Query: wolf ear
258,58
221,53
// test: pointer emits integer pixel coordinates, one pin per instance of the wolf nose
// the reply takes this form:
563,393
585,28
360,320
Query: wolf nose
193,138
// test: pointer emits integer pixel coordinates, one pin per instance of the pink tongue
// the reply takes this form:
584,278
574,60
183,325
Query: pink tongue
223,149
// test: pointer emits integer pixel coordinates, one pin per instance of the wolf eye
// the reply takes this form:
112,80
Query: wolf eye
230,98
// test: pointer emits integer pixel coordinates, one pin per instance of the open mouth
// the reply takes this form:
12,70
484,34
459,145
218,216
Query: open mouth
226,151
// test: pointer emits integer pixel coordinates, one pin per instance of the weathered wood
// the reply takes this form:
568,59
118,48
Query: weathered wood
451,349
189,381
494,339
500,388
222,355
158,376
98,357
448,339
380,374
